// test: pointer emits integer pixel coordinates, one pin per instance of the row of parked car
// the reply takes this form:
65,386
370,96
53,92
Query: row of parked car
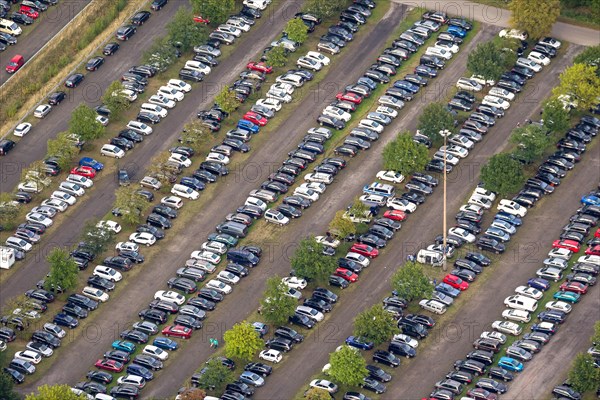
26,13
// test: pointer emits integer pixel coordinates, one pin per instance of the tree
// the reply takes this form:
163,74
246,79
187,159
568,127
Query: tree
36,173
8,210
184,31
195,135
276,57
535,17
161,54
160,164
62,148
276,305
227,101
96,238
192,394
583,375
404,155
130,204
296,30
531,141
347,366
435,119
491,59
63,269
55,392
115,100
410,282
83,123
375,324
309,262
242,341
581,82
217,11
317,394
502,174
215,376
589,56
6,388
596,336
324,8
358,207
340,226
556,117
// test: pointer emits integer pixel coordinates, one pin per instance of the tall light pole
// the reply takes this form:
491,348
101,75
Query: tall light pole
445,134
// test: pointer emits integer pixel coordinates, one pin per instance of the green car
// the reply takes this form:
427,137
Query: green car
224,238
124,346
567,296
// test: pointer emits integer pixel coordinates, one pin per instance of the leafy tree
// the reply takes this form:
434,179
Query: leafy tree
63,269
227,101
375,324
556,117
83,123
348,366
589,56
62,148
35,173
195,135
215,376
435,119
491,59
341,226
242,341
405,155
193,394
276,306
8,210
535,17
130,204
96,238
296,30
411,282
596,336
317,394
531,141
581,82
55,392
277,57
217,11
161,54
502,174
6,387
583,375
309,261
115,100
324,8
159,164
358,207
182,29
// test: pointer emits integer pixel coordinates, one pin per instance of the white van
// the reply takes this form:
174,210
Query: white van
276,217
154,109
10,27
519,302
433,258
439,52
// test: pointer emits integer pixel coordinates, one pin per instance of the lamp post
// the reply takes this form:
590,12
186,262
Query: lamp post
444,134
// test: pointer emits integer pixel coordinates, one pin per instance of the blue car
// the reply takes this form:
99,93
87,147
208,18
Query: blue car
247,125
192,182
447,290
136,369
510,364
590,200
359,343
123,345
165,343
65,320
569,297
406,85
456,31
511,219
260,328
90,162
539,283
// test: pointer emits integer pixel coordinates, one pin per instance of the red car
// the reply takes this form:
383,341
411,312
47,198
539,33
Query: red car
365,250
201,20
396,215
597,233
456,282
351,97
110,365
346,274
255,118
88,172
259,66
567,244
177,331
593,251
576,287
15,63
30,12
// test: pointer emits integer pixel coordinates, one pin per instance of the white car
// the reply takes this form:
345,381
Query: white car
328,241
29,355
95,294
180,85
238,24
260,4
42,349
315,186
516,315
434,306
358,258
402,338
319,177
484,193
292,79
144,238
474,208
197,66
338,113
140,127
170,93
559,306
482,81
495,102
151,182
310,312
503,226
185,192
510,207
172,201
180,159
270,103
463,234
507,327
390,176
560,253
539,58
201,265
451,47
455,150
494,336
284,87
391,102
376,199
22,129
218,286
526,62
169,295
30,187
228,278
388,111
396,203
309,63
294,282
529,292
271,355
71,188
42,110
556,262
253,201
80,180
480,201
107,273
58,205
108,224
315,55
324,384
369,123
450,159
102,120
130,95
155,352
513,34
133,380
502,93
590,259
206,256
306,193
127,246
39,218
217,157
469,84
110,150
548,41
214,247
279,96
162,101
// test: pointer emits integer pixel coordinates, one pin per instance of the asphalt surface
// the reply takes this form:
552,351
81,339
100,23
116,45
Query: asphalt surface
33,146
90,340
501,17
42,31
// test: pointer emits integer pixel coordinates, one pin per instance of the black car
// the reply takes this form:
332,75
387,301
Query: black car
553,316
259,368
158,4
210,294
276,187
523,72
386,358
214,168
158,221
338,281
100,283
289,334
102,377
191,75
205,176
134,336
122,143
56,98
289,211
302,321
156,232
478,258
20,19
500,373
94,63
15,375
118,262
110,48
237,269
40,294
140,17
46,338
373,385
74,80
240,387
297,201
250,12
188,321
125,391
74,310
